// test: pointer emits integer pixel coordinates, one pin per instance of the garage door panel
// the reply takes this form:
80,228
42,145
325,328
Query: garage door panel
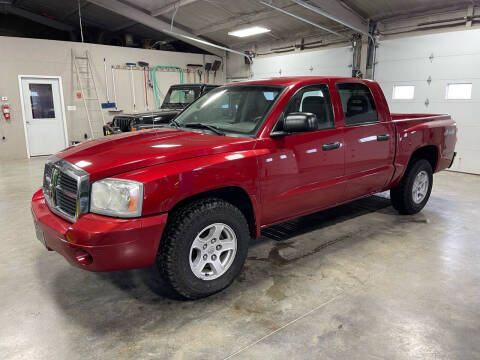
323,62
447,68
467,161
456,59
443,44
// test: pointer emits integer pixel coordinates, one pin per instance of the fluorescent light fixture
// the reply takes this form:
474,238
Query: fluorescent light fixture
255,30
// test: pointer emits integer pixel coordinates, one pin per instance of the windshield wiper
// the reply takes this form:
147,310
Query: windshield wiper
205,126
174,123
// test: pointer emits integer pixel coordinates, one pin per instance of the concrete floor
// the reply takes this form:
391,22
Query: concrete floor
355,282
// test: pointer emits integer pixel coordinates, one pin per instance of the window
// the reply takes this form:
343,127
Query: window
41,97
313,99
357,104
237,108
403,92
180,96
459,91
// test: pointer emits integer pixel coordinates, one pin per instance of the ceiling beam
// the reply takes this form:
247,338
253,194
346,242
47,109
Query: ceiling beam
305,20
170,7
159,25
237,20
39,18
335,11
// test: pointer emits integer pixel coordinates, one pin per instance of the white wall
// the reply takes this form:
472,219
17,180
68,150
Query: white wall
23,56
333,61
456,58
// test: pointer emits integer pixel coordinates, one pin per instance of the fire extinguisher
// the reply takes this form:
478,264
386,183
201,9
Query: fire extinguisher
6,111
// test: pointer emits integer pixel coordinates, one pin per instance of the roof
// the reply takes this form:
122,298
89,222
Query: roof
293,80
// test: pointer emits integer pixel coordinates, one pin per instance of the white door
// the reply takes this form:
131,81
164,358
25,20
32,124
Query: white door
43,115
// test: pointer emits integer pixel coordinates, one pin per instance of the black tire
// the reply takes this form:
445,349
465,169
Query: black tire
402,195
183,227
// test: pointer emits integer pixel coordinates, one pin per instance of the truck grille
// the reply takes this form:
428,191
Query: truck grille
65,188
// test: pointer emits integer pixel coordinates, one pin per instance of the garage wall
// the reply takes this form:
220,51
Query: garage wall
452,57
333,61
21,56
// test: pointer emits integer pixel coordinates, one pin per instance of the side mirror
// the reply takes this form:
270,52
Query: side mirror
300,122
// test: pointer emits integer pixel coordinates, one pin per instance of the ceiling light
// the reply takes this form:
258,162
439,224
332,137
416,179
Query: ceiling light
249,31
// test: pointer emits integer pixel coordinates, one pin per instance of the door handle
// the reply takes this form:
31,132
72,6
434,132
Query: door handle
28,122
383,137
331,146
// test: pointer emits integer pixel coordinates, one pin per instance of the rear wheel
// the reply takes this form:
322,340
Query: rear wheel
412,193
204,248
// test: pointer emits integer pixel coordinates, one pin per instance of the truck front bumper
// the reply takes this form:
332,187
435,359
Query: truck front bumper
99,243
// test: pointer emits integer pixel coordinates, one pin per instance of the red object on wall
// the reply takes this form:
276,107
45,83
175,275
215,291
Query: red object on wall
79,95
6,111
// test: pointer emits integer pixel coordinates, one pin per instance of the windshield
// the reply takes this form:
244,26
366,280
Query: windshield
180,96
237,109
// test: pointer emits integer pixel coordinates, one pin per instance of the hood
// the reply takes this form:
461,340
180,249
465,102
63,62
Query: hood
112,155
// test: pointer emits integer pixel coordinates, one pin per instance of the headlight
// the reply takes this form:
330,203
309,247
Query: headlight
117,197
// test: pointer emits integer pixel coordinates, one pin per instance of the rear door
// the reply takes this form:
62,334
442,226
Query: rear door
369,137
303,172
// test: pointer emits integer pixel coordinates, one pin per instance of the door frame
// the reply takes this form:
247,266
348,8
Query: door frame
62,105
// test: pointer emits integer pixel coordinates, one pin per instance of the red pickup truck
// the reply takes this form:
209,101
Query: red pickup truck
191,195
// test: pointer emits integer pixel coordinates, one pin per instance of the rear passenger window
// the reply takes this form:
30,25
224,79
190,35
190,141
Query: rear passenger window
313,99
357,104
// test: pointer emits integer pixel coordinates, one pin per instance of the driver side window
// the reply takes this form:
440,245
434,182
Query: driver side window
313,99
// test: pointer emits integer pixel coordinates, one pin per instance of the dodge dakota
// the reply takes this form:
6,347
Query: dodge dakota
188,197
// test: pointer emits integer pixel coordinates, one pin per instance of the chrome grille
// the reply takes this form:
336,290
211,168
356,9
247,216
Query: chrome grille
66,188
67,183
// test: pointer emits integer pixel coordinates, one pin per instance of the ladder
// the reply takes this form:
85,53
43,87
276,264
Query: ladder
86,83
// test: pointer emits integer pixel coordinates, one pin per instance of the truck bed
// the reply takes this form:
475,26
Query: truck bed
420,130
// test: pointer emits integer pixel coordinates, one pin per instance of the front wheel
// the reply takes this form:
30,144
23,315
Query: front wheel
204,248
413,191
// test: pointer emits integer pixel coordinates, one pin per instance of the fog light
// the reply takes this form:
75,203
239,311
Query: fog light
83,257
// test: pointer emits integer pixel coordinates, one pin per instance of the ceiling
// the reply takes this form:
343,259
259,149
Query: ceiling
212,19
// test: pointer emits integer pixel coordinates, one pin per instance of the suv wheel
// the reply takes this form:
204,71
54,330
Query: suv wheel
413,191
204,248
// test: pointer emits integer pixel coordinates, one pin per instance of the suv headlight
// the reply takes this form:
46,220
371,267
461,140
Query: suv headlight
117,197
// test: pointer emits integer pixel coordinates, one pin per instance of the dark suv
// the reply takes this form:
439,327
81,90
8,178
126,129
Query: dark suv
178,98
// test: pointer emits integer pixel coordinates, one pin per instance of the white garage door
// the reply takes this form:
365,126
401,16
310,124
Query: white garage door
328,62
451,61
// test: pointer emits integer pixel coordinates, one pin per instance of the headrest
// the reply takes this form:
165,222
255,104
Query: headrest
313,104
357,104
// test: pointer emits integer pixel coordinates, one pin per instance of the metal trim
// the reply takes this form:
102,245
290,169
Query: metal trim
83,188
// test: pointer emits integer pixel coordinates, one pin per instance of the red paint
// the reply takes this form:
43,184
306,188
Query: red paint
284,177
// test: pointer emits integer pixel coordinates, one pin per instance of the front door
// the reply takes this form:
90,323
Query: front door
43,115
303,171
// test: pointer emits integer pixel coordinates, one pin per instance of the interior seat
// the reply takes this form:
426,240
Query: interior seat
317,105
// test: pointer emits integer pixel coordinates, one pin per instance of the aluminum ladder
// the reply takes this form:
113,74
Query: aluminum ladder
88,89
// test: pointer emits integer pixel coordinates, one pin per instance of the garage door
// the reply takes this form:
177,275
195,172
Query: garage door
334,62
437,73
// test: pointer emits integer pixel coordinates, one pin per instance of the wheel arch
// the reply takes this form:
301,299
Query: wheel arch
427,152
234,195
